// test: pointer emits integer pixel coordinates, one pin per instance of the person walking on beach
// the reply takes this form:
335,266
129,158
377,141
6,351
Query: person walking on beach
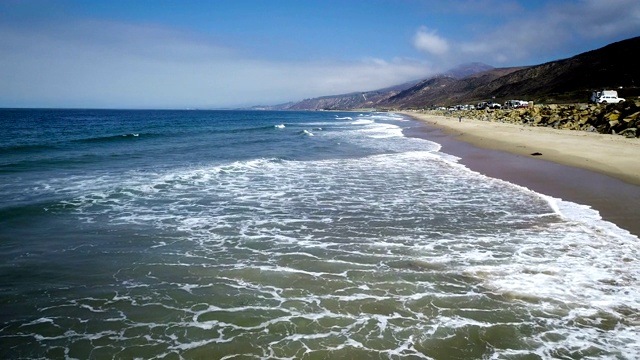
459,118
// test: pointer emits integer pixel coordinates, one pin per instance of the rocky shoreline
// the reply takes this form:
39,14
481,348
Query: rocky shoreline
621,119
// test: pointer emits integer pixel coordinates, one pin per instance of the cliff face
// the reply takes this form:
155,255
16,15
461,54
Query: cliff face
564,81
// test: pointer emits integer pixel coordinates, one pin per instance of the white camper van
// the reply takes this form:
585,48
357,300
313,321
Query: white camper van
606,97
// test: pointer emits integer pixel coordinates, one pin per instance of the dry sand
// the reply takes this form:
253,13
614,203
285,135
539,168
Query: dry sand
602,171
612,155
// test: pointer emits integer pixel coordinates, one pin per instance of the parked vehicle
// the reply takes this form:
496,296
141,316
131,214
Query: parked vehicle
606,97
515,104
482,105
488,105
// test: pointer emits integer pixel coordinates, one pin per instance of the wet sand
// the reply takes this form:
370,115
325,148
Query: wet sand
602,171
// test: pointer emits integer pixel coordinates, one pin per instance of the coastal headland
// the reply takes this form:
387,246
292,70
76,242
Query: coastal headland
598,170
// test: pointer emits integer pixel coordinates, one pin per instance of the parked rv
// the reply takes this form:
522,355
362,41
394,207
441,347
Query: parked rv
606,97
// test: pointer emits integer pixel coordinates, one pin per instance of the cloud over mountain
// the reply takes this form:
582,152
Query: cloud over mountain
428,41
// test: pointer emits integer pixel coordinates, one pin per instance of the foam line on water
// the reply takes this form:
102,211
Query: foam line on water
394,253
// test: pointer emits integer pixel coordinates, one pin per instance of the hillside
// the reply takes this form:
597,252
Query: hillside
572,80
445,90
372,99
563,81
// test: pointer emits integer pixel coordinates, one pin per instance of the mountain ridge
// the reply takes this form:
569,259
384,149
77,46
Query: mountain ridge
569,80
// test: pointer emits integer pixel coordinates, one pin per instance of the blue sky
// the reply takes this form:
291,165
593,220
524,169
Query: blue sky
216,54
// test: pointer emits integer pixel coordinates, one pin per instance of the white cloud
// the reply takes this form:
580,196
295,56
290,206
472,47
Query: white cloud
598,19
114,64
427,41
104,64
555,30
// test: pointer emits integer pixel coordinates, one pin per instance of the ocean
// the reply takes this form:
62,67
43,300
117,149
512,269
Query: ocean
291,235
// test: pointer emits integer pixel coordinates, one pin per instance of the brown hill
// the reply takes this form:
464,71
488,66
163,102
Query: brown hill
445,90
572,80
372,99
563,81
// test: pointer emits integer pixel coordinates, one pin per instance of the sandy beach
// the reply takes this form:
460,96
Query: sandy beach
602,171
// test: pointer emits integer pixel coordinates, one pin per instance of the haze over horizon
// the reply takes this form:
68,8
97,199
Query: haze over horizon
222,54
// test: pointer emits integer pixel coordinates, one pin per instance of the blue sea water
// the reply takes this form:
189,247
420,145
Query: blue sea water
286,235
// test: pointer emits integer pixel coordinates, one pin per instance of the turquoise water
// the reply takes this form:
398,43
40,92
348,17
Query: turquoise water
240,234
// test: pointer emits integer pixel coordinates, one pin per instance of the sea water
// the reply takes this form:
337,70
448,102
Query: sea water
287,235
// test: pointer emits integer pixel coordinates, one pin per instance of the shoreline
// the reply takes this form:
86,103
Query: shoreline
596,170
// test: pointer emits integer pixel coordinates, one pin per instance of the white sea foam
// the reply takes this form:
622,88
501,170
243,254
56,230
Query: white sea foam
361,121
381,131
352,253
39,321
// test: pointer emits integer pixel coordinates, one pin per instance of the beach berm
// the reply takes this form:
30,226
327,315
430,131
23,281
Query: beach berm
612,155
